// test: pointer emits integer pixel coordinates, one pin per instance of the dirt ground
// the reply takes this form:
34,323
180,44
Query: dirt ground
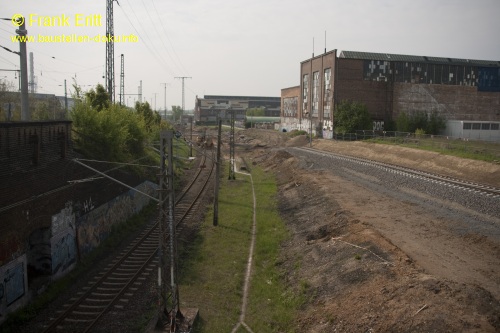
368,262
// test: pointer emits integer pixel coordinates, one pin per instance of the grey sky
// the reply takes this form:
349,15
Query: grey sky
241,47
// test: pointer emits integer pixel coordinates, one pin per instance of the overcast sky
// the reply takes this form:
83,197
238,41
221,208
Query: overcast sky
239,47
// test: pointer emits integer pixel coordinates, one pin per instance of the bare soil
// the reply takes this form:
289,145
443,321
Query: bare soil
368,262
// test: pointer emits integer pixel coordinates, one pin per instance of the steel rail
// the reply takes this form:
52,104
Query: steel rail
109,271
482,188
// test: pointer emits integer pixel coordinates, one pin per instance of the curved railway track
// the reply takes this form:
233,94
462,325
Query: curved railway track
455,183
115,286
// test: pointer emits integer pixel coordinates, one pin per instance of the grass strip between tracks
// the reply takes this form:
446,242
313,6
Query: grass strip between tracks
212,273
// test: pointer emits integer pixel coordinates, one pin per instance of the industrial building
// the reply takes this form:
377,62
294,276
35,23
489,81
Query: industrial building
208,108
463,90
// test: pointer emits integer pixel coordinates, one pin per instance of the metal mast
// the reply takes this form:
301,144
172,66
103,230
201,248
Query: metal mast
167,253
231,147
122,80
32,83
110,51
182,78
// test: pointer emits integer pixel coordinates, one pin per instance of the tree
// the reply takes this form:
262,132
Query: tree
116,133
403,122
98,98
11,99
177,112
352,116
436,123
151,118
256,112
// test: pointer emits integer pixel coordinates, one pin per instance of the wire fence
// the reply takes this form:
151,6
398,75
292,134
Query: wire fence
489,150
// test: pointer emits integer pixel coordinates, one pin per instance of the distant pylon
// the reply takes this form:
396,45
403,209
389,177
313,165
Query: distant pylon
32,83
182,78
122,80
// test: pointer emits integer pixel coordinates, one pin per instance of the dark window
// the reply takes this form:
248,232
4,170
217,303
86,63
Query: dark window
476,126
467,126
485,126
495,127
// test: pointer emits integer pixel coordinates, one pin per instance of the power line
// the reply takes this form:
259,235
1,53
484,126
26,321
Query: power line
181,67
115,180
154,52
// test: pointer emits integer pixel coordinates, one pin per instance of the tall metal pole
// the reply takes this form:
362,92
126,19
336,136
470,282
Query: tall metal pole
175,313
182,78
122,80
165,99
65,98
191,137
231,147
110,51
168,298
32,75
25,112
217,175
162,232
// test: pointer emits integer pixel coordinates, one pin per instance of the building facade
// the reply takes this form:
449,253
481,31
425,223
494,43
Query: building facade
457,89
208,108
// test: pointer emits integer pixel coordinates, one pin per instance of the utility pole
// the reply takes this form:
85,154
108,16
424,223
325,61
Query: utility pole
25,112
110,51
182,78
167,253
165,99
140,92
217,175
122,80
155,99
32,84
231,147
65,98
191,137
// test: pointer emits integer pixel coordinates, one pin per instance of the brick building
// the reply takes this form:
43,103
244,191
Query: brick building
209,107
457,89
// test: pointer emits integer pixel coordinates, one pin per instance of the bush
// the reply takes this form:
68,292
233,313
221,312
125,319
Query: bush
352,116
115,133
295,133
430,124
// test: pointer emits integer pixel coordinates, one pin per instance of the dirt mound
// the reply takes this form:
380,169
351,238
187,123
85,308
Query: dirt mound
298,141
355,279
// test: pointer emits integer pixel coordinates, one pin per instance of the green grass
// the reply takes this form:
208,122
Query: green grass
212,275
476,150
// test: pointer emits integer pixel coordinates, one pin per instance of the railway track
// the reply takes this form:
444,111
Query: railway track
454,183
111,290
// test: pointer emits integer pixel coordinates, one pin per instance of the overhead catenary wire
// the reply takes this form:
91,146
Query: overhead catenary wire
115,180
71,183
153,51
120,163
181,67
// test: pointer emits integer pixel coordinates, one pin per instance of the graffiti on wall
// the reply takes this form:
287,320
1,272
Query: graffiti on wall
378,125
88,205
63,220
13,286
14,283
63,252
96,225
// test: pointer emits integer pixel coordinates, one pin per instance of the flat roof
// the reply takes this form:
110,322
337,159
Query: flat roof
246,98
415,58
